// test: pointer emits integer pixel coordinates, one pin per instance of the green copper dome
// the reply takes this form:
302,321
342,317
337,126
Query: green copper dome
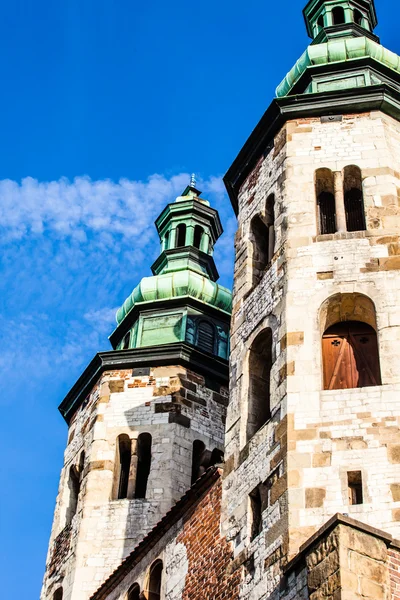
174,285
338,51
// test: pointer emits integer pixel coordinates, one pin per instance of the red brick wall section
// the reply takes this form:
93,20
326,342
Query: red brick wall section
208,554
394,570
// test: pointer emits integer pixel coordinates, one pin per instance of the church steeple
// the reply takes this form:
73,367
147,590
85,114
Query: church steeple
327,19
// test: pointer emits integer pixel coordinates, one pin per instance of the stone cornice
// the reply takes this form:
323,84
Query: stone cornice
178,353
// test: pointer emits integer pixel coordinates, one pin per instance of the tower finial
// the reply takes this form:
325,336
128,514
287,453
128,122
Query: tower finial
193,181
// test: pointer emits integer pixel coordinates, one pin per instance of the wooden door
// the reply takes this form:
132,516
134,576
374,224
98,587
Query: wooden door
350,356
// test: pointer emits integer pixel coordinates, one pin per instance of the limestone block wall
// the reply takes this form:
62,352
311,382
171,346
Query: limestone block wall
176,407
314,437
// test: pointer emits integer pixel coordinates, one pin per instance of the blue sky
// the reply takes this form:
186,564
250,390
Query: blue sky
106,107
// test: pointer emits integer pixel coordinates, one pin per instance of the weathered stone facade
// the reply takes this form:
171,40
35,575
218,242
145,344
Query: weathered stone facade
177,407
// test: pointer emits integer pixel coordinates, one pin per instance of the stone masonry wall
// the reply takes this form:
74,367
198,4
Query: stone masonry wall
174,405
314,437
196,560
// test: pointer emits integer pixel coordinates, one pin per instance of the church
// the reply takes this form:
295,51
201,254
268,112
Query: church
246,445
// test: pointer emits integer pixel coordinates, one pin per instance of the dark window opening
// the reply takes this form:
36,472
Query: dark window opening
350,356
74,485
324,186
143,464
181,235
353,199
338,15
126,341
206,337
262,233
202,459
134,592
358,18
58,594
125,453
155,579
166,241
321,21
354,482
260,364
256,513
198,234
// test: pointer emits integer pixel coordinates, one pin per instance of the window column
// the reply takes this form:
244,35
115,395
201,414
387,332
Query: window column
339,202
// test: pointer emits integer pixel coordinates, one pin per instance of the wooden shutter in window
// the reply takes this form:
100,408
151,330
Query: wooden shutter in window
350,356
205,337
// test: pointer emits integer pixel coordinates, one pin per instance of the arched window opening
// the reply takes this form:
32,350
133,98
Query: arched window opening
324,188
181,235
74,485
126,341
354,199
358,18
205,336
350,356
198,234
134,592
155,581
270,218
260,364
143,464
338,15
320,21
262,235
202,459
166,241
58,594
124,450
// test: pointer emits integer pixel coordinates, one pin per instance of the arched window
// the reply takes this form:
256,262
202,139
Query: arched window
123,463
58,594
358,18
353,199
260,363
198,234
126,341
143,450
134,592
181,235
324,189
205,337
155,580
202,459
262,235
350,356
338,15
166,241
74,485
320,21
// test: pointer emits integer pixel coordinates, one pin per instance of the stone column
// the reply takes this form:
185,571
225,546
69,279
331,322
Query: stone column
348,15
339,202
205,244
328,18
189,235
172,238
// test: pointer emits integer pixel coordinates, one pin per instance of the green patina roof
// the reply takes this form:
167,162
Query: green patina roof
340,50
174,285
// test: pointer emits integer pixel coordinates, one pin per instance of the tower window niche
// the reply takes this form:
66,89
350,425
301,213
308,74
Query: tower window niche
320,22
124,452
74,485
260,363
262,231
354,487
143,450
338,15
202,459
58,594
353,199
198,234
126,341
358,18
155,581
134,592
181,235
324,188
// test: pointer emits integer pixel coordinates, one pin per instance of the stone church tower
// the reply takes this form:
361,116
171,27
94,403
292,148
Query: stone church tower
147,418
314,413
